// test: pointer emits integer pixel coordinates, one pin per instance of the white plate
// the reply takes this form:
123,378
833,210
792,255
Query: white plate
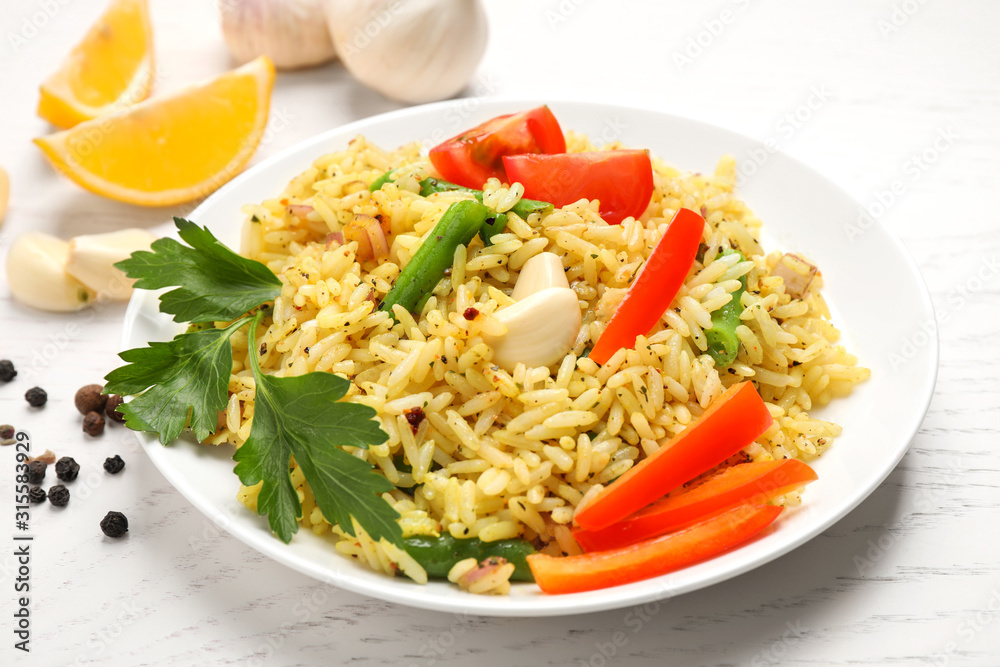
879,299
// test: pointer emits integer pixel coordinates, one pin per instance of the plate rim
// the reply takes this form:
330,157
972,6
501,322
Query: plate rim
536,605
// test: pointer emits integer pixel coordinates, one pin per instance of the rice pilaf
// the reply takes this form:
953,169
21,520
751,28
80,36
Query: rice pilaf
475,450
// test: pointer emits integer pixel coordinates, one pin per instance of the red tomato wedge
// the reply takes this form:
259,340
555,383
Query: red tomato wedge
732,422
655,287
474,156
752,483
603,569
622,180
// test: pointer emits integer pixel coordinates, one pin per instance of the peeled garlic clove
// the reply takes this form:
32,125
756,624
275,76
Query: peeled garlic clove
292,33
543,270
91,259
414,51
541,329
37,276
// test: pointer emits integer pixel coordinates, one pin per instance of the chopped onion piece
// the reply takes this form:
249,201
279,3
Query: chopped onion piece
797,274
367,231
300,211
483,568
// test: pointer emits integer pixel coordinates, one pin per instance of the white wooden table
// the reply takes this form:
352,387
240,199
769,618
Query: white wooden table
872,94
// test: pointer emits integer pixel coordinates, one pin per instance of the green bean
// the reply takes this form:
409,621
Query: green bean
437,555
523,208
381,180
457,226
494,225
723,343
430,186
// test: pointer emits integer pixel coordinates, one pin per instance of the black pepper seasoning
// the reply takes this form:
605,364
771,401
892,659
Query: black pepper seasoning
114,464
67,469
36,494
7,370
36,397
114,524
36,472
59,495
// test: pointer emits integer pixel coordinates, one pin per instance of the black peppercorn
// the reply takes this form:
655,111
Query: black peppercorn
36,494
67,469
36,472
90,399
59,495
93,424
36,397
114,464
114,524
7,371
111,408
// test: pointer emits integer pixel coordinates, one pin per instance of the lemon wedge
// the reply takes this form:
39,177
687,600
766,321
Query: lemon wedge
170,149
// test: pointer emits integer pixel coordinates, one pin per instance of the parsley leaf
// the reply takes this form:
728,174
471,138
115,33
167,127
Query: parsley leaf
212,282
184,383
301,417
177,383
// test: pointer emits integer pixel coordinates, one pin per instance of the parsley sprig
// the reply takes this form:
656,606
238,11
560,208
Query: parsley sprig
213,283
184,383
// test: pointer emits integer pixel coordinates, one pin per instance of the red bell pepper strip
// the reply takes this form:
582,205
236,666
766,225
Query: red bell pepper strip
603,569
732,422
655,287
752,483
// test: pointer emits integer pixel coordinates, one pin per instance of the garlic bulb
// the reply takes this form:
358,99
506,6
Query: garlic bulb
37,275
292,33
409,50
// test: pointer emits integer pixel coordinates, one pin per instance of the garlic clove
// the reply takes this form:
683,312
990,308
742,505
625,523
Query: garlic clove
414,51
37,276
543,270
541,329
292,33
91,259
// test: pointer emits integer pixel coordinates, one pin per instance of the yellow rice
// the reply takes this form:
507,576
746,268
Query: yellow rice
500,454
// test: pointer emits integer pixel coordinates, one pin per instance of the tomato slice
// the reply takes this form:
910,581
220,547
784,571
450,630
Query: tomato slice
622,180
476,155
